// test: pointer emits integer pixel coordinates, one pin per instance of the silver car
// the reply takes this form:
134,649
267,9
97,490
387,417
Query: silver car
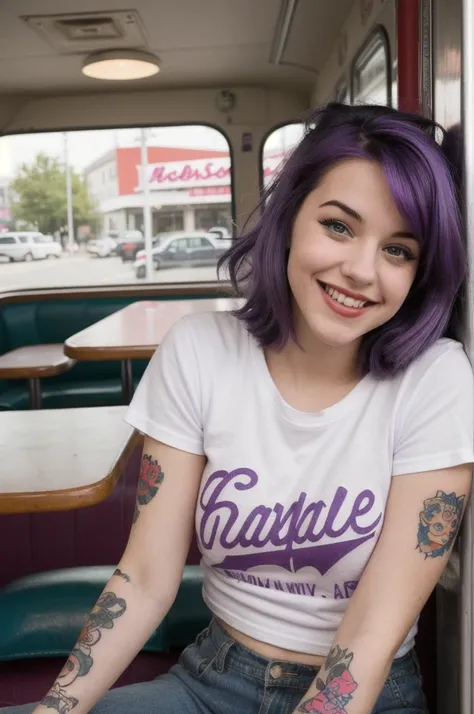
22,245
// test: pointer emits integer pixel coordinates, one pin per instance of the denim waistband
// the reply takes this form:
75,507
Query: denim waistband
280,672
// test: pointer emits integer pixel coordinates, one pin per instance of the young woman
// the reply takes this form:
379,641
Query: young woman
322,438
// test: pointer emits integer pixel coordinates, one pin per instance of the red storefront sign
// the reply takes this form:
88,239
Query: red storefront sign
210,191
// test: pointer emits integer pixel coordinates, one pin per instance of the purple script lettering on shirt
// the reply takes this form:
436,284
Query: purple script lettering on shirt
280,528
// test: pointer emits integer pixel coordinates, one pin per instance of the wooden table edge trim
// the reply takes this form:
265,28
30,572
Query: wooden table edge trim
36,372
71,498
98,354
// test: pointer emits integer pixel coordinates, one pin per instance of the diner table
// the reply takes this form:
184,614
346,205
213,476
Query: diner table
34,362
135,332
62,459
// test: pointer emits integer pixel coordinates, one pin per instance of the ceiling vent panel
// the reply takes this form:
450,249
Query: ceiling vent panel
89,32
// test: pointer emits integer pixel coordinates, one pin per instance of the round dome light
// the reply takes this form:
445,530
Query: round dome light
118,65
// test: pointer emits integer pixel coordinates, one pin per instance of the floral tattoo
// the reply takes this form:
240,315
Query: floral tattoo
336,692
149,481
107,609
439,523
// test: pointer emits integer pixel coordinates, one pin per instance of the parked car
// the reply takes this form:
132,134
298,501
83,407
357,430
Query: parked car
28,245
220,232
46,246
103,247
183,249
129,243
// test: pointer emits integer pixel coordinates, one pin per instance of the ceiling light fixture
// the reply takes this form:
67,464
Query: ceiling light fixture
120,65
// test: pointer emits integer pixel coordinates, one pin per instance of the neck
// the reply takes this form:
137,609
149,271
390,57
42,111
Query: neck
320,363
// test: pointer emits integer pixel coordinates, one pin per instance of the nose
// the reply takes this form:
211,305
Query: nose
360,264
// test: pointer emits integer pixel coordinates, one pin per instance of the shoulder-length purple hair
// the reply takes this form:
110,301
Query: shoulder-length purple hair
420,179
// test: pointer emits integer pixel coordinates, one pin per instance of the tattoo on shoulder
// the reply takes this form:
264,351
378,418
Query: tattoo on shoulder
149,481
439,523
335,692
107,609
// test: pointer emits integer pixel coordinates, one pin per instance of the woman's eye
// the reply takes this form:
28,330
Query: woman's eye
336,226
400,252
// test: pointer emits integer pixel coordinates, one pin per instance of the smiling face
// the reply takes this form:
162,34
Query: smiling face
352,258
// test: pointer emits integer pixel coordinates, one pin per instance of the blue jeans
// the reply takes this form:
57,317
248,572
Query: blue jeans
217,675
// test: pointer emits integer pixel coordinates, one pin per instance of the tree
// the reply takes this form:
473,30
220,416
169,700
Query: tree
39,195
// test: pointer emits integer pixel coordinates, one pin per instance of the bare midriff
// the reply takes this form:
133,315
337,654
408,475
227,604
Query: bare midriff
270,651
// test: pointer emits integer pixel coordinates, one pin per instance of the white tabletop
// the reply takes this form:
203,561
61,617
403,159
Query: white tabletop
59,459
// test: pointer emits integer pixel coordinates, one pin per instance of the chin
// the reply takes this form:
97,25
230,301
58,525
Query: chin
331,335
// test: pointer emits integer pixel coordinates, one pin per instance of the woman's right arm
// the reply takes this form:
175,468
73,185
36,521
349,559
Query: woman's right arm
144,585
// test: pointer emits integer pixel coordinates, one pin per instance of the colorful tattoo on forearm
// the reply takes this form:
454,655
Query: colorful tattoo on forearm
149,481
439,523
336,692
108,608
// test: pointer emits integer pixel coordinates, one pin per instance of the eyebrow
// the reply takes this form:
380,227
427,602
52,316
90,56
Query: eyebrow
350,212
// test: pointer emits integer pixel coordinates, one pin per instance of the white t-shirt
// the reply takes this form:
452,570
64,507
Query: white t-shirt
291,503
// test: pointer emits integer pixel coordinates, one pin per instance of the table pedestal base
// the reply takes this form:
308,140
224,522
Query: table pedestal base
34,389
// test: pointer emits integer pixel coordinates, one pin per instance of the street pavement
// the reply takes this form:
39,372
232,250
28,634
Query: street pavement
83,270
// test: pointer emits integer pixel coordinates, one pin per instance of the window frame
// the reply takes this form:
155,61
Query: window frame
86,288
378,35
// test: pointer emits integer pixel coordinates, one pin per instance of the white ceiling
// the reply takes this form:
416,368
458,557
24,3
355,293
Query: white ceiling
201,43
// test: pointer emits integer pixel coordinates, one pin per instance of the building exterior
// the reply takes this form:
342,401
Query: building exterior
190,189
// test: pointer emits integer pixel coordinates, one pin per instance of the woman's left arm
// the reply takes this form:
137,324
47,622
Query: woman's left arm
422,518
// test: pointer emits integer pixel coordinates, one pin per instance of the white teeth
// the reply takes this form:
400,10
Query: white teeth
344,299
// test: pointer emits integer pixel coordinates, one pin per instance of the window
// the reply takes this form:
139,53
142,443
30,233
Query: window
7,240
342,93
371,80
217,215
188,172
168,221
276,148
43,239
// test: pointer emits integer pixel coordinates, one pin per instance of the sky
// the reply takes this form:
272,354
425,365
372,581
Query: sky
84,147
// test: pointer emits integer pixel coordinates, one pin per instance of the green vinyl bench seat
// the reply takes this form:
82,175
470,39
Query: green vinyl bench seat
41,615
54,318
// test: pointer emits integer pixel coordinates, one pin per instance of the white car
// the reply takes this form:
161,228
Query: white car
46,246
27,246
220,232
102,247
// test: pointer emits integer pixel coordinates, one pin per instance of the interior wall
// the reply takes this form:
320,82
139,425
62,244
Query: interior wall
357,27
256,111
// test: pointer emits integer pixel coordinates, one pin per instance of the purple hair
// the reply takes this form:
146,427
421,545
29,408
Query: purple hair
420,179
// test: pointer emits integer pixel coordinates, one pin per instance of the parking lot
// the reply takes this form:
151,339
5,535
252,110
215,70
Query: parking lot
81,269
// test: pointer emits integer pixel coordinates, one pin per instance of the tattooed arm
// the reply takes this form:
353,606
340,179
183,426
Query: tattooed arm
421,522
142,588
